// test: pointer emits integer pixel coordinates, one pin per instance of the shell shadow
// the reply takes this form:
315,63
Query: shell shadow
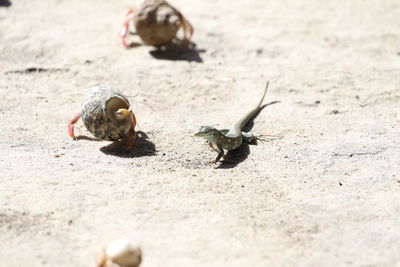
234,157
134,45
5,3
88,138
142,148
177,51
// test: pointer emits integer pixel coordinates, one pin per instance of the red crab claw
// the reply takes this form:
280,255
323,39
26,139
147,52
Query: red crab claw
125,26
71,125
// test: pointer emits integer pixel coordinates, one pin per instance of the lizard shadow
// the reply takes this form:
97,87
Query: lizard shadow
5,3
142,148
234,157
177,51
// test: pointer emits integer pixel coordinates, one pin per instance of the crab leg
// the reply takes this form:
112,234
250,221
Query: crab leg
71,125
125,26
187,31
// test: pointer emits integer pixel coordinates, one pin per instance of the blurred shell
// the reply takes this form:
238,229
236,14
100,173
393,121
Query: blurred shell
97,113
123,253
157,22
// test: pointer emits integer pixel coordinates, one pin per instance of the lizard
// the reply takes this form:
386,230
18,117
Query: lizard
232,138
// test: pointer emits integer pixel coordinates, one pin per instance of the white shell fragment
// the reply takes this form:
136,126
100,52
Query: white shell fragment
122,253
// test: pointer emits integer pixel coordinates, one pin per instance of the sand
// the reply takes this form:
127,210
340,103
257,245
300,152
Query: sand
326,194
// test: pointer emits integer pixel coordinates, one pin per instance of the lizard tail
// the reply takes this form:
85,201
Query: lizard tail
265,92
242,122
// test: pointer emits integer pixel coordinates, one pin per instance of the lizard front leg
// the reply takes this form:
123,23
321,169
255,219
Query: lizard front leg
220,154
213,146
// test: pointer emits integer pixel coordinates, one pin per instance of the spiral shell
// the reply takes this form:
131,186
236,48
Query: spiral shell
157,22
106,114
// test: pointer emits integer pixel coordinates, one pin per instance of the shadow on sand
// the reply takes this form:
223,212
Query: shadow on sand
177,51
5,3
142,148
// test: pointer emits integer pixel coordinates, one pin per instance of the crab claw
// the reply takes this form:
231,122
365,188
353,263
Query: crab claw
125,26
71,125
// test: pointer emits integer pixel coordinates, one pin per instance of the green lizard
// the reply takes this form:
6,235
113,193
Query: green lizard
232,138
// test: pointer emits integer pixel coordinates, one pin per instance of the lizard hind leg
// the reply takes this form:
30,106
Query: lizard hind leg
251,137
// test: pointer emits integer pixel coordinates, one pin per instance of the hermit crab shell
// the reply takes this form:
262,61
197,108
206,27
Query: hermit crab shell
122,253
99,113
157,22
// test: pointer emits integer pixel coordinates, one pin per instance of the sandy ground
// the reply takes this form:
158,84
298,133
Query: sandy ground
326,194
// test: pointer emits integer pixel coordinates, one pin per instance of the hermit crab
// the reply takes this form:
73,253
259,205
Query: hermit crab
122,253
156,23
107,116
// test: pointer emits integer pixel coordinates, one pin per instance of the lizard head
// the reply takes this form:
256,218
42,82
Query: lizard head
208,132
